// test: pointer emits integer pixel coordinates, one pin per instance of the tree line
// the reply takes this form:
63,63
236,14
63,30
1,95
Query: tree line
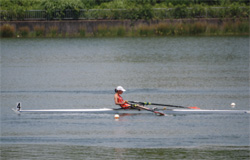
126,9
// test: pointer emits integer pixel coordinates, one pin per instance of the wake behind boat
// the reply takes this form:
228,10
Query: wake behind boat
18,110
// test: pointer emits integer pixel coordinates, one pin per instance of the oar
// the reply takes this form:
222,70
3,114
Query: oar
167,105
147,109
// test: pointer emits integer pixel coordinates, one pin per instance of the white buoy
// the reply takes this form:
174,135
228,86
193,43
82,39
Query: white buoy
116,116
232,105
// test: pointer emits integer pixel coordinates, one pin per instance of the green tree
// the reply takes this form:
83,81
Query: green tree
58,8
15,9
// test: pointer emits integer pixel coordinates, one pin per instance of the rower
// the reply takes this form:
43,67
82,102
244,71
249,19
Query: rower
119,100
125,105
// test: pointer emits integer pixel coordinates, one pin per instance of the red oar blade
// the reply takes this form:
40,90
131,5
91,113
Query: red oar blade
194,107
159,113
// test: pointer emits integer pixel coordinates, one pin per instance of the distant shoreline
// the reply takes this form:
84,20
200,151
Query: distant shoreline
126,28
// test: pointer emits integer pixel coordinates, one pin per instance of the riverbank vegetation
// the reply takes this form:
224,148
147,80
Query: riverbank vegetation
133,10
235,27
122,9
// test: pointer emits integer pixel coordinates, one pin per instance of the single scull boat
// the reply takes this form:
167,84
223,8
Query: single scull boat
120,110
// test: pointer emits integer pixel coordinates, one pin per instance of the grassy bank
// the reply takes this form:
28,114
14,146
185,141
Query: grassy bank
237,27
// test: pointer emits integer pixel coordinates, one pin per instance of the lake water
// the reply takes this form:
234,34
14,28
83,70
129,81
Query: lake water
75,73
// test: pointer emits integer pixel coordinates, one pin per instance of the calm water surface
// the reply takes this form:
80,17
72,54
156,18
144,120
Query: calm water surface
208,72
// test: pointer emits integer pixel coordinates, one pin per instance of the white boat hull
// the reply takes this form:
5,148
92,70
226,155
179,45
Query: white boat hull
120,111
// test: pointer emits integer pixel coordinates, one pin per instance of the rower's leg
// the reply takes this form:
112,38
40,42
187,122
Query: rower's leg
135,106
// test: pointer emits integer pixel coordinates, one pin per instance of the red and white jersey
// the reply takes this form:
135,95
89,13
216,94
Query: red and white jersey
125,105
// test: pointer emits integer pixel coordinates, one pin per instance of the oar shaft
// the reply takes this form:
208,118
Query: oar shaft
168,105
156,104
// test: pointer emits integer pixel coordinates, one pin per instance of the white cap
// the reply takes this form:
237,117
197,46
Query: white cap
120,88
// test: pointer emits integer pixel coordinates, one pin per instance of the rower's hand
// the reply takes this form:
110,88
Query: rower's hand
125,102
135,105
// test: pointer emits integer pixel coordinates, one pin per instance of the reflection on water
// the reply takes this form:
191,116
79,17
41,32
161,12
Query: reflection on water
23,152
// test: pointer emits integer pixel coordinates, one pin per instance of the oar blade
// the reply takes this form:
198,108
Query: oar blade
194,107
159,113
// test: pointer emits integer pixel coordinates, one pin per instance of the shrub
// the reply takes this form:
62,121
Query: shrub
181,29
53,31
15,9
24,31
58,8
243,27
197,28
101,30
236,10
146,12
216,12
180,12
213,29
198,11
104,30
39,31
82,31
141,12
145,30
237,27
132,13
164,29
121,31
226,27
7,30
117,14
